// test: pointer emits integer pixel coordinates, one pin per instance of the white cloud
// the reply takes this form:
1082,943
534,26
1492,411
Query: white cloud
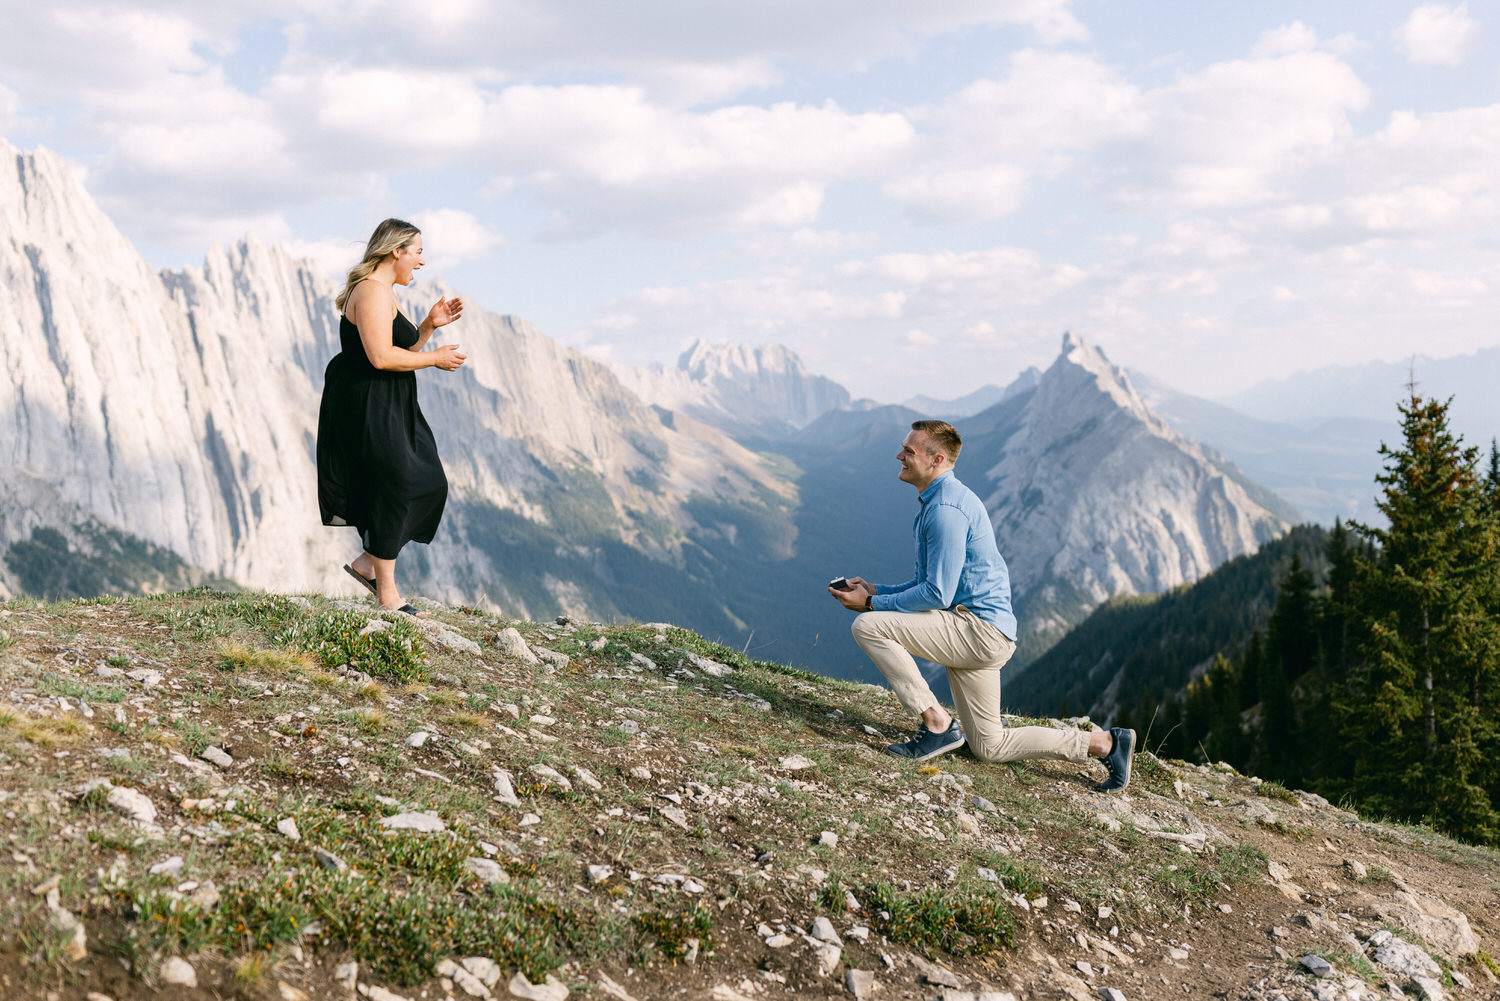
961,195
450,236
1438,35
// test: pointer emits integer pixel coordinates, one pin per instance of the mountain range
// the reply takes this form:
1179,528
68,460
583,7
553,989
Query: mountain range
177,410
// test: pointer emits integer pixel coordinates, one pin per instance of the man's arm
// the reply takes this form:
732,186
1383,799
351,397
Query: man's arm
945,533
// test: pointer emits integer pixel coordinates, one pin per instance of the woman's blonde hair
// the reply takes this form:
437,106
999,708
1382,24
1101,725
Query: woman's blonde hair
389,236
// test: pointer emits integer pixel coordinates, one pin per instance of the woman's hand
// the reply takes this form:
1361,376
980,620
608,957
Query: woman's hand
448,357
445,311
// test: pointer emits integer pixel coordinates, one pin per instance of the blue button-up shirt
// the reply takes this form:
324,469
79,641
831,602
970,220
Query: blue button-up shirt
957,561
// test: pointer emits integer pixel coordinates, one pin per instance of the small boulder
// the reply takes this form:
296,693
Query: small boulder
216,756
1316,965
424,823
133,804
177,971
487,870
823,931
551,989
796,763
513,647
288,829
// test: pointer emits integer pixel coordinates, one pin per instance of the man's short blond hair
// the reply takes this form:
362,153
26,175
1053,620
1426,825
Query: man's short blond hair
942,436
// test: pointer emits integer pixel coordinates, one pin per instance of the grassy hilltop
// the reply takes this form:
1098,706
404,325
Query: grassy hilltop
269,797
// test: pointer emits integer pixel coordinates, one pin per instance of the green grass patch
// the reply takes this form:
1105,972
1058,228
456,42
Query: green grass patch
670,930
956,922
394,653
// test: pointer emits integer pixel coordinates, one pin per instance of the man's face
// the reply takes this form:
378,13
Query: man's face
918,464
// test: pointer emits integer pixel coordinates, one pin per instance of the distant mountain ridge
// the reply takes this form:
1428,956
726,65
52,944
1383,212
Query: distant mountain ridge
738,388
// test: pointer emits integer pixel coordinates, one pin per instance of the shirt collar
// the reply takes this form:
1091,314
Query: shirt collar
932,488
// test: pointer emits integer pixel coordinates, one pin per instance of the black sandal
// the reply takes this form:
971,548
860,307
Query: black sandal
368,582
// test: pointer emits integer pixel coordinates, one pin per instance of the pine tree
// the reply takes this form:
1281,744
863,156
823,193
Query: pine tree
1291,653
1418,715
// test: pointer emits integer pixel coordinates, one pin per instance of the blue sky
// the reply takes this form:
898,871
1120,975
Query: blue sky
916,198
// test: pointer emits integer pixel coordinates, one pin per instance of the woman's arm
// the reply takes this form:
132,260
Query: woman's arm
372,308
442,313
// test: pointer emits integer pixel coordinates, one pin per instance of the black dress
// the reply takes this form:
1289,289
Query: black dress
378,466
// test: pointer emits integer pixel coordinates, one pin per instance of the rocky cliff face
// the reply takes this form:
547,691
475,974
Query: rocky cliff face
739,387
182,408
1092,495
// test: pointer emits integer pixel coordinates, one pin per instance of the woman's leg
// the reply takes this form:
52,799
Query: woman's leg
385,582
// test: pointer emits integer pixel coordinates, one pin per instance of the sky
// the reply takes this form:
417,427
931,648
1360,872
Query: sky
917,198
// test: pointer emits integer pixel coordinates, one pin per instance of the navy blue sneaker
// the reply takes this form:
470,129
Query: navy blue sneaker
1118,760
925,744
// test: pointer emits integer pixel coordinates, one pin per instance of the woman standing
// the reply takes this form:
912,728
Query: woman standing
378,466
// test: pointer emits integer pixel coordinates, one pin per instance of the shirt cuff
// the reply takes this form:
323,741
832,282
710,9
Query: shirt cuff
883,603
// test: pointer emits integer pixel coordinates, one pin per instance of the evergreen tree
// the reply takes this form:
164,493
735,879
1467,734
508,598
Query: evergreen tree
1290,654
1418,715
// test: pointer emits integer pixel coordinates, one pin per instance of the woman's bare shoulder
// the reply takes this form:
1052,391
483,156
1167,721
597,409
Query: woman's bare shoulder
373,296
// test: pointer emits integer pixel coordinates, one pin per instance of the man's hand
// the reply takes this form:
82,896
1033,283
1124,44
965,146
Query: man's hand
854,598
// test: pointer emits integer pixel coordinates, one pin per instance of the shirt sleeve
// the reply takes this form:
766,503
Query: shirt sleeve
945,532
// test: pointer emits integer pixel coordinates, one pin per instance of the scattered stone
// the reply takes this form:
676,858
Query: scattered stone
779,941
377,993
1400,956
425,823
796,763
347,975
1444,928
527,820
1316,965
599,873
860,983
823,931
418,739
598,644
288,829
676,816
859,933
46,886
487,870
513,647
96,996
504,791
290,993
177,971
76,947
328,860
967,822
484,968
216,756
205,896
466,981
1111,994
828,838
987,874
148,678
1085,967
707,666
1356,868
1429,988
936,975
587,778
613,989
829,957
640,771
551,989
167,867
628,726
133,804
552,776
983,805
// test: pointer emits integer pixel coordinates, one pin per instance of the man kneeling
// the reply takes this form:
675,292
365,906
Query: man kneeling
956,611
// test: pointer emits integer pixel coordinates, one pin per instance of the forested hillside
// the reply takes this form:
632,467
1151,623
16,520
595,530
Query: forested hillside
1372,679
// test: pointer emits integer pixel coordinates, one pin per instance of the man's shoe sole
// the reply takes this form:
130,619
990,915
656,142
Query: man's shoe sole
960,742
1129,769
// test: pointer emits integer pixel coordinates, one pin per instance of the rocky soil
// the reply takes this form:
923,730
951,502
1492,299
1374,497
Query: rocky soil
262,797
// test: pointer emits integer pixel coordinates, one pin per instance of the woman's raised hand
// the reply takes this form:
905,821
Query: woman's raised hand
448,357
445,311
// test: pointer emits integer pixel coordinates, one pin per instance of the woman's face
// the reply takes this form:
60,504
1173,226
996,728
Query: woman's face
408,259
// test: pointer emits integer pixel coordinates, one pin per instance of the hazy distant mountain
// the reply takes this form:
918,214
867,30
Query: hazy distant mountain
739,388
1372,391
1327,470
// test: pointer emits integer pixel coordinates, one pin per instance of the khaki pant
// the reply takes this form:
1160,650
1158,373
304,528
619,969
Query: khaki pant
973,651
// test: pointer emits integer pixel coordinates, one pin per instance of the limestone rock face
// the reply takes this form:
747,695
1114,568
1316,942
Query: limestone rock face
739,387
1092,495
181,407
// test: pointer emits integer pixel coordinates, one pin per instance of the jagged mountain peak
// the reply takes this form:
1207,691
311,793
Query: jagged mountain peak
704,359
1082,366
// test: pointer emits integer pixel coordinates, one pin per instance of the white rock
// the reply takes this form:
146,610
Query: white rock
148,678
484,968
328,860
504,791
587,778
513,646
133,804
640,772
1401,957
676,816
177,971
823,931
418,739
779,941
425,823
796,763
828,838
466,981
76,944
552,776
829,957
1356,868
1111,994
599,873
216,756
167,867
347,975
288,828
529,819
1429,988
488,870
376,993
550,990
859,933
